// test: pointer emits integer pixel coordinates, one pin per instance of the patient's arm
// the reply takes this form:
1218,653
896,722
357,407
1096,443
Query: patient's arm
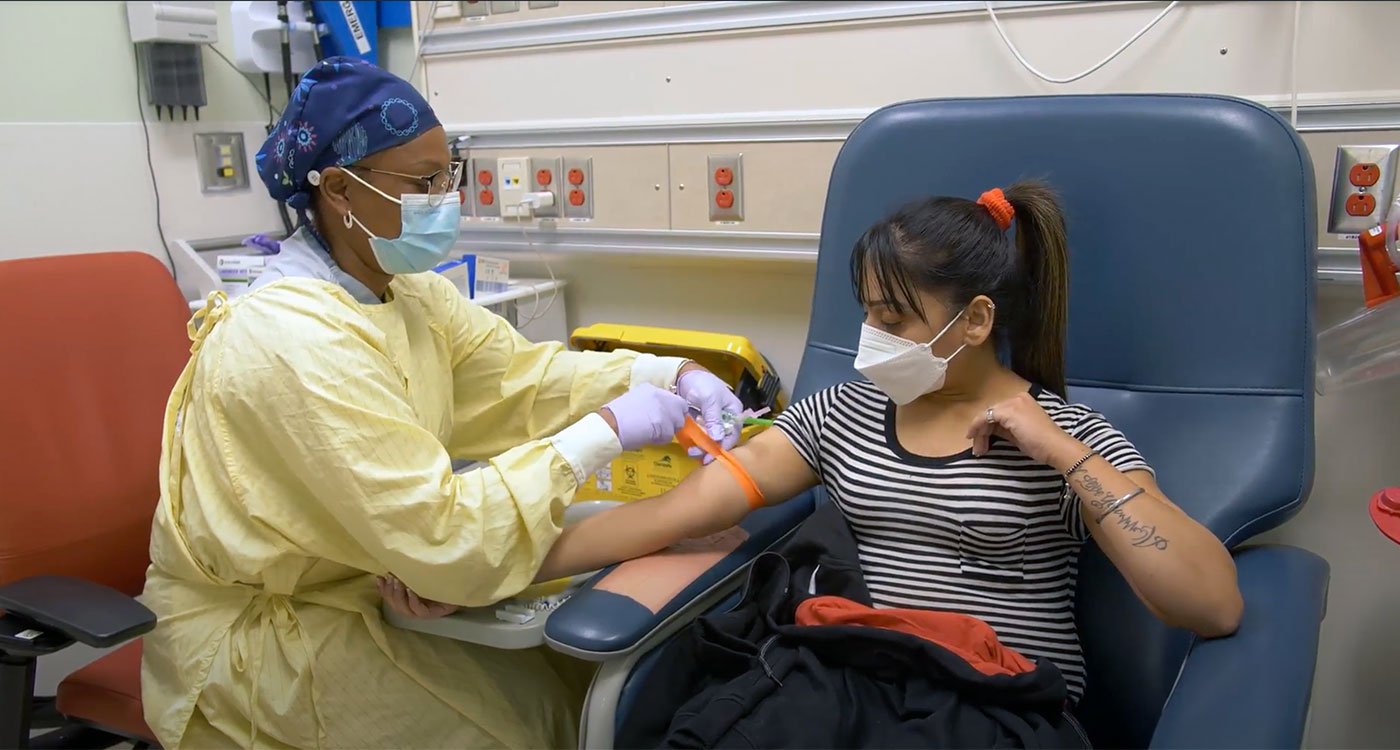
708,501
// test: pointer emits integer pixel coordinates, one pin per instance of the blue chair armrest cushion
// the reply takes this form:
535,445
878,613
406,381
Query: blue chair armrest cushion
74,608
605,624
1251,690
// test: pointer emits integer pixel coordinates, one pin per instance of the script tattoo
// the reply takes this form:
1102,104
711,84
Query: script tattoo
1143,535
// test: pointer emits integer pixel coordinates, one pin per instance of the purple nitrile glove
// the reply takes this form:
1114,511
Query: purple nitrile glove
647,415
261,242
709,395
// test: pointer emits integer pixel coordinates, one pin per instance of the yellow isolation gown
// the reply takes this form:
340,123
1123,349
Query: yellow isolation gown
306,450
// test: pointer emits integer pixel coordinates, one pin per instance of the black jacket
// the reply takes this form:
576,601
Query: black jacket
751,678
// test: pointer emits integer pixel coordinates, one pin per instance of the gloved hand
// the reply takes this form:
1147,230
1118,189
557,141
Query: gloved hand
646,415
711,397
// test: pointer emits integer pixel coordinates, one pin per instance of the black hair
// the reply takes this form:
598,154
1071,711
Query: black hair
955,249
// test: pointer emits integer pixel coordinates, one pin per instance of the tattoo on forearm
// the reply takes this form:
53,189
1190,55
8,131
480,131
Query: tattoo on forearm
1143,535
1099,498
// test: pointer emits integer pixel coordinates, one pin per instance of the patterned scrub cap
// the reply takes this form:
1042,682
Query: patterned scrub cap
343,110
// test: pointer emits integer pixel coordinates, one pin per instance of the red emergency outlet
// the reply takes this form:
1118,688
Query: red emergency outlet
484,177
1365,175
724,199
487,197
575,176
544,177
576,198
724,177
1360,204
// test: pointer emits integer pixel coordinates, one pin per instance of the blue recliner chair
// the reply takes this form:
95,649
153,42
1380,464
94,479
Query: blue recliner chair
1191,224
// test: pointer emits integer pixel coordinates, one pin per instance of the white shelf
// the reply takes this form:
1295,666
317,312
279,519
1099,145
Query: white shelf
519,289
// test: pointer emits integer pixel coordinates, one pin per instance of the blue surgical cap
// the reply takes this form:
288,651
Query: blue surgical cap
343,110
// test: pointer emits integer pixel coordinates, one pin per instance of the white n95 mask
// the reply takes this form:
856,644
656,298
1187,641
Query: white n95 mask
903,369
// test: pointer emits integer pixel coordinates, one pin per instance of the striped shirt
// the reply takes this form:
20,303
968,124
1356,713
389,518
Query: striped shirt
996,536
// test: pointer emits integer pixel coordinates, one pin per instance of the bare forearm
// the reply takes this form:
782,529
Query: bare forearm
633,530
705,503
1178,567
708,501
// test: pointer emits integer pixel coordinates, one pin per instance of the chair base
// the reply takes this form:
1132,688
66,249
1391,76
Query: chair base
16,699
74,736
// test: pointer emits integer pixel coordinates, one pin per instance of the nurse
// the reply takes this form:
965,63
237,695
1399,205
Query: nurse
308,448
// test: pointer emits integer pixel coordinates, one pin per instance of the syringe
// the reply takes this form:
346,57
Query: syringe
732,420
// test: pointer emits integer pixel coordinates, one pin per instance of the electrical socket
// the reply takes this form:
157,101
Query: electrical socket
1362,187
725,175
485,200
513,174
578,188
553,169
447,11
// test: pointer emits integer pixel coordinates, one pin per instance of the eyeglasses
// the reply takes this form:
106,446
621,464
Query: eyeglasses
439,183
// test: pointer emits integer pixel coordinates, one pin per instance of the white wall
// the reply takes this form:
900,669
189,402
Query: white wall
71,126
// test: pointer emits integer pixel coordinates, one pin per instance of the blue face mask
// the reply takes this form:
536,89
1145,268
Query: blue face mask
426,236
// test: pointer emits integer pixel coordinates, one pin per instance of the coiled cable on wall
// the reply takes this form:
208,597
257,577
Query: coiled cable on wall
991,12
536,313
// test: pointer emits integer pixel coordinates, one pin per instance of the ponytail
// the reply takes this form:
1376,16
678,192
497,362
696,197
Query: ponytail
958,249
1038,340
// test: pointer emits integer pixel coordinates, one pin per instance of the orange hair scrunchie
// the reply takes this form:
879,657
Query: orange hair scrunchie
998,206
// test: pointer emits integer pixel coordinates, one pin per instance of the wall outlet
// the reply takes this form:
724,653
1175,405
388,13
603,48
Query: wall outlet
1362,187
726,179
445,10
485,198
578,188
547,177
513,173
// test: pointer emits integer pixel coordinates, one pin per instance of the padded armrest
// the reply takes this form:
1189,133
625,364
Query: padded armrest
80,610
1251,690
598,625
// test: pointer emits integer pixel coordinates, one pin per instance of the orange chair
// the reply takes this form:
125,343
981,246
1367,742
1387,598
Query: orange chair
91,346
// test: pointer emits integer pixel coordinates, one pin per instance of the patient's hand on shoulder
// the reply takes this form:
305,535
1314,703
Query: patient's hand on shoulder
402,600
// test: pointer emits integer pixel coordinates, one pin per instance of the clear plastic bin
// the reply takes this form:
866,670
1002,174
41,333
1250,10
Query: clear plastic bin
1360,350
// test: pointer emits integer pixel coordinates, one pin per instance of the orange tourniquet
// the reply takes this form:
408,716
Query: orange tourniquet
692,435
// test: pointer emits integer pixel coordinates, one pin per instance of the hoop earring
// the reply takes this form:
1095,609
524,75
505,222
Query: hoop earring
348,221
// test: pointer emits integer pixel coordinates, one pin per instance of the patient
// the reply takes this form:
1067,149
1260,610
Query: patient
968,484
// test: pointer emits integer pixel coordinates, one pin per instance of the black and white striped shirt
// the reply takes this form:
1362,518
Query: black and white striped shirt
996,536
